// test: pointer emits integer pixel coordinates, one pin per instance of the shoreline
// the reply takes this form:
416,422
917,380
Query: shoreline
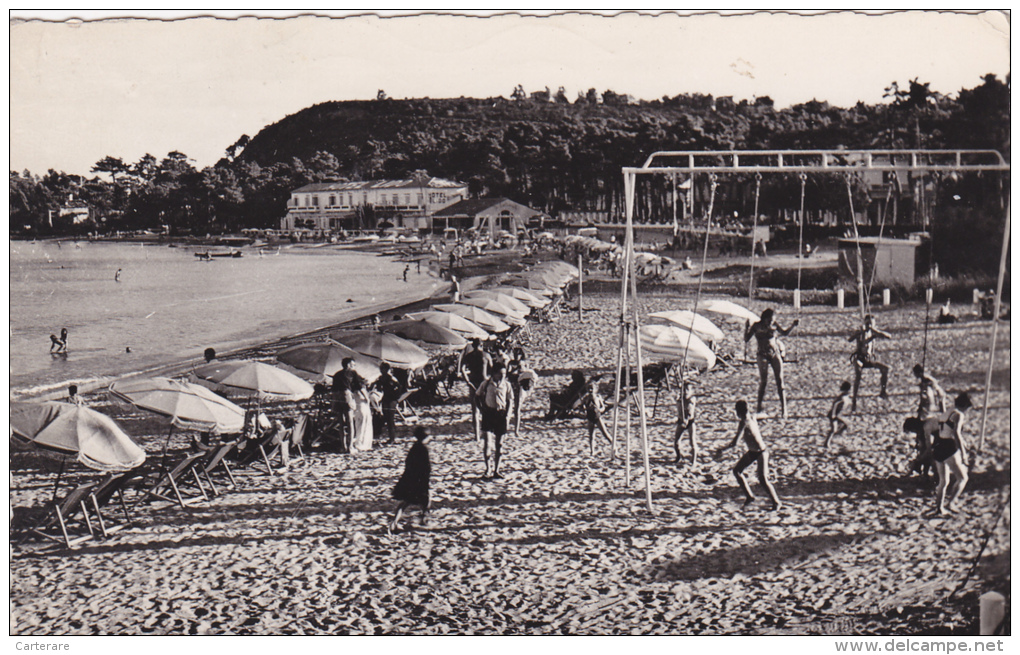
347,318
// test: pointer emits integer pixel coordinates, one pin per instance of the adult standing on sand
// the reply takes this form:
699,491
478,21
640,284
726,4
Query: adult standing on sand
864,357
949,451
391,390
343,406
756,452
770,353
496,398
473,368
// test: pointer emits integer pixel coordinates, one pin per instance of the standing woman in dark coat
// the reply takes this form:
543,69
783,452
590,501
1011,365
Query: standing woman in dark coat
413,486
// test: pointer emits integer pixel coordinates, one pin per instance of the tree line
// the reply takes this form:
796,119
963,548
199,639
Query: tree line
539,149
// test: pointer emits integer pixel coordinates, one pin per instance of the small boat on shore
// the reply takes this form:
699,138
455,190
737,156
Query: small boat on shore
235,254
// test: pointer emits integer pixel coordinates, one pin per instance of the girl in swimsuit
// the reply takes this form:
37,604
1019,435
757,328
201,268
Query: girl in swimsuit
767,332
950,454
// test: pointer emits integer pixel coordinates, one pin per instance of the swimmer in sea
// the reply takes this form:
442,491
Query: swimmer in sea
55,344
63,340
116,276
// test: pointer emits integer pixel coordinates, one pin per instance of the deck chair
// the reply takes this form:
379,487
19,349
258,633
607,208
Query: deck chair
562,405
405,410
268,446
111,486
173,479
217,459
62,513
298,431
551,312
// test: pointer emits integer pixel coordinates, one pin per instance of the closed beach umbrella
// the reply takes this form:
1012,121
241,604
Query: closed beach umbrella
458,324
730,310
555,279
476,315
389,348
534,285
502,298
504,313
252,378
669,343
95,439
189,406
561,268
425,332
533,300
699,325
322,359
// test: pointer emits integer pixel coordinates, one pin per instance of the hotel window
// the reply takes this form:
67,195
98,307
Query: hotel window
407,198
332,201
315,201
364,197
421,199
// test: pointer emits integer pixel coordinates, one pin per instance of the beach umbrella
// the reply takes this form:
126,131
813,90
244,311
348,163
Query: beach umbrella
669,343
453,322
567,267
189,406
730,310
476,315
533,300
422,331
496,308
696,323
253,378
502,298
68,429
555,279
322,359
532,284
389,348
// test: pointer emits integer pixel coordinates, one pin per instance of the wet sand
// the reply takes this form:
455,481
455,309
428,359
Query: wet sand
561,545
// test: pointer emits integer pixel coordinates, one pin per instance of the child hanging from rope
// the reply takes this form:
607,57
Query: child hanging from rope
757,451
864,357
838,424
687,413
932,398
770,353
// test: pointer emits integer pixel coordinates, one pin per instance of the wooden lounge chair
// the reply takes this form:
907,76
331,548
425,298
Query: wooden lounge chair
217,459
298,432
110,486
264,449
173,479
63,513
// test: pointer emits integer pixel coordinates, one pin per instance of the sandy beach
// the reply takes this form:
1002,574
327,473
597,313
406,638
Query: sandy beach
561,544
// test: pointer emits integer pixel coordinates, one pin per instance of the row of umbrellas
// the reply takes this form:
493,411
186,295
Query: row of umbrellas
682,335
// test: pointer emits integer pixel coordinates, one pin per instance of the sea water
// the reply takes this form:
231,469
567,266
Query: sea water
169,305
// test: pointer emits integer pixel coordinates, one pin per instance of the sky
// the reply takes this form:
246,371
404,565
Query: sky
84,90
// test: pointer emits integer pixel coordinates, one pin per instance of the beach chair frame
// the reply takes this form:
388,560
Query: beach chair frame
217,459
171,477
112,485
62,512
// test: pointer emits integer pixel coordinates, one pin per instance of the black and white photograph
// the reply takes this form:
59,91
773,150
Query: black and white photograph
510,323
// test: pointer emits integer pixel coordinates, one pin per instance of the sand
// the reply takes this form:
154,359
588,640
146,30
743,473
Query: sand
562,545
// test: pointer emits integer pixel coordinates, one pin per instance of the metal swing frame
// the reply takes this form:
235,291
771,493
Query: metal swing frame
718,162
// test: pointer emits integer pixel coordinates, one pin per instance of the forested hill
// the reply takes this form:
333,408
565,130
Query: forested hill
559,155
539,149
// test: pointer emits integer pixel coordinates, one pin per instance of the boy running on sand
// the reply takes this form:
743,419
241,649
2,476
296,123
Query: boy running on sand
864,356
836,413
756,452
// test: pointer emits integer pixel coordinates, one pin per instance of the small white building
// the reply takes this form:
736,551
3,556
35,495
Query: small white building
489,216
403,203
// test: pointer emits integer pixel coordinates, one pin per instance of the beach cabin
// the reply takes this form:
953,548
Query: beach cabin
890,261
489,216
